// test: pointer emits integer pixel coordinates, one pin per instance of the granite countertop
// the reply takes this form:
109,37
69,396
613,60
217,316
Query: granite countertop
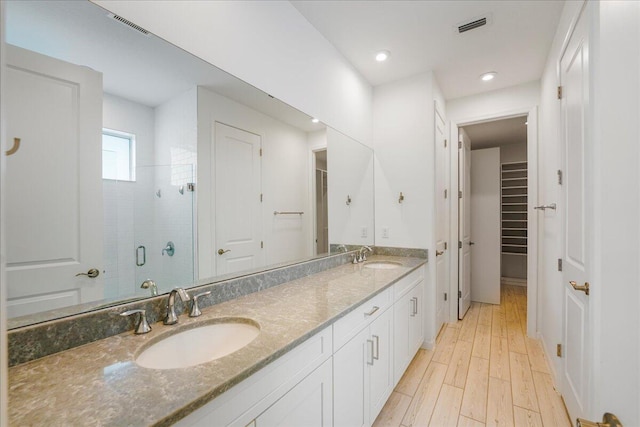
100,384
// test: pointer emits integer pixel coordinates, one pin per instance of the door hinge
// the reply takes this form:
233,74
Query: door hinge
559,177
559,92
459,194
261,245
445,194
260,196
191,187
559,350
459,244
445,296
459,294
445,143
559,264
445,246
459,145
261,152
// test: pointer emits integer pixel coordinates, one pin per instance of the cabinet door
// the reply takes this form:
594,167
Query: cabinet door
381,371
350,382
416,320
308,404
402,310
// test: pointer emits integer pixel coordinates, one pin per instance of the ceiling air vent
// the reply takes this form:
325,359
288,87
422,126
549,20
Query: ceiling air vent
129,24
474,23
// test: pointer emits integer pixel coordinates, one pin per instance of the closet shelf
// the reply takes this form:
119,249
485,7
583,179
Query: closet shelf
511,175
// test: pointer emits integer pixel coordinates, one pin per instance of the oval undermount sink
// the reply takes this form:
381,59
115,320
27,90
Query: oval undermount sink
382,265
198,345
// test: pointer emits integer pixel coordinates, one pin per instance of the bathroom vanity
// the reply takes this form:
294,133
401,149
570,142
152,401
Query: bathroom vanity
331,347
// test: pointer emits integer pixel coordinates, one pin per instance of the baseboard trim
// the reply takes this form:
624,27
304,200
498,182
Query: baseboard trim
513,281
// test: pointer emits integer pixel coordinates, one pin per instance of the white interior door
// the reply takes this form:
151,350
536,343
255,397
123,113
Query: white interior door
237,184
464,225
442,220
575,100
485,223
53,189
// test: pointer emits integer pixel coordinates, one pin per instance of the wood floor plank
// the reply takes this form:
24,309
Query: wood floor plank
444,349
526,418
474,401
499,404
421,408
499,323
522,387
486,313
552,408
468,422
536,355
459,365
468,330
516,338
499,360
393,411
447,410
482,341
411,378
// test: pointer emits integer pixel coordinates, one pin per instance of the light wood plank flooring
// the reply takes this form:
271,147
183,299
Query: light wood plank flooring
484,371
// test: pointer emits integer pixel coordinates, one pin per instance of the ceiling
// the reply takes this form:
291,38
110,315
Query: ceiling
141,68
497,133
422,36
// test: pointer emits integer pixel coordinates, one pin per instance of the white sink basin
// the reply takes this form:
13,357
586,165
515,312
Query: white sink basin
198,345
382,265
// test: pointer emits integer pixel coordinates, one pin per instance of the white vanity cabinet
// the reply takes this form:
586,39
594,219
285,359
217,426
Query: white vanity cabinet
408,329
363,366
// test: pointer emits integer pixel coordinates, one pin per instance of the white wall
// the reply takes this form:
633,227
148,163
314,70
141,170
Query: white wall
349,224
268,44
286,171
119,235
404,140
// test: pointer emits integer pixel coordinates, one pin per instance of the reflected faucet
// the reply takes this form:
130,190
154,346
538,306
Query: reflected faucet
343,248
172,318
150,284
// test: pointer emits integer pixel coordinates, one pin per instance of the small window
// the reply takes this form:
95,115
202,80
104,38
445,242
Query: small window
118,159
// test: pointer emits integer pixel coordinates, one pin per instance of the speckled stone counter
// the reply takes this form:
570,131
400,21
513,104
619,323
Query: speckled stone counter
100,384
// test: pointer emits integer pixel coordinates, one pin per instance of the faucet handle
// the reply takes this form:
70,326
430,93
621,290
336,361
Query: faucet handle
143,326
195,310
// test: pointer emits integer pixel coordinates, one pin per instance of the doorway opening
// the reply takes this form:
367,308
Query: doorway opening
497,204
321,205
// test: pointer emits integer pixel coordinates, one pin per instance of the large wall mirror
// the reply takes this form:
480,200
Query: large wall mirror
134,167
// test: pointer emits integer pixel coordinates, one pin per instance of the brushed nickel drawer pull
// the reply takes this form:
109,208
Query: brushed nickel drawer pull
373,310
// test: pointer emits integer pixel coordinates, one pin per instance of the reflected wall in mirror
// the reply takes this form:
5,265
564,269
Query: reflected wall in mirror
351,191
140,161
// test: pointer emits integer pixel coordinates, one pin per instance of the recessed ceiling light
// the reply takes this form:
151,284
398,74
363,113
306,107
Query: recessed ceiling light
488,76
314,120
383,55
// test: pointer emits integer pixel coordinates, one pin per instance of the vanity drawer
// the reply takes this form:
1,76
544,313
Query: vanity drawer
403,285
347,327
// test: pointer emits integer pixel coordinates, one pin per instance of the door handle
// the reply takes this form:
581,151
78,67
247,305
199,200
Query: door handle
93,273
608,420
472,243
376,355
543,207
584,288
15,148
223,251
438,253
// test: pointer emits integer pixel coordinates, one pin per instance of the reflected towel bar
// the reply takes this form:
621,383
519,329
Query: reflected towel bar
287,213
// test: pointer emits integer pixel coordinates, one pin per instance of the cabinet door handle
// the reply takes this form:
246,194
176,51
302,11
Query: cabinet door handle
376,355
414,306
370,362
373,310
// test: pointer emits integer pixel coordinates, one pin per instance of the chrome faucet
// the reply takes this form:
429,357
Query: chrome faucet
150,284
362,255
172,318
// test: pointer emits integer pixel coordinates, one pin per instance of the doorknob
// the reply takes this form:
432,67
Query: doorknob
608,420
584,288
93,273
223,251
438,253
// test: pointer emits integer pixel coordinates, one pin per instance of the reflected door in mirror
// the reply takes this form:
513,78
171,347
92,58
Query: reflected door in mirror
53,193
